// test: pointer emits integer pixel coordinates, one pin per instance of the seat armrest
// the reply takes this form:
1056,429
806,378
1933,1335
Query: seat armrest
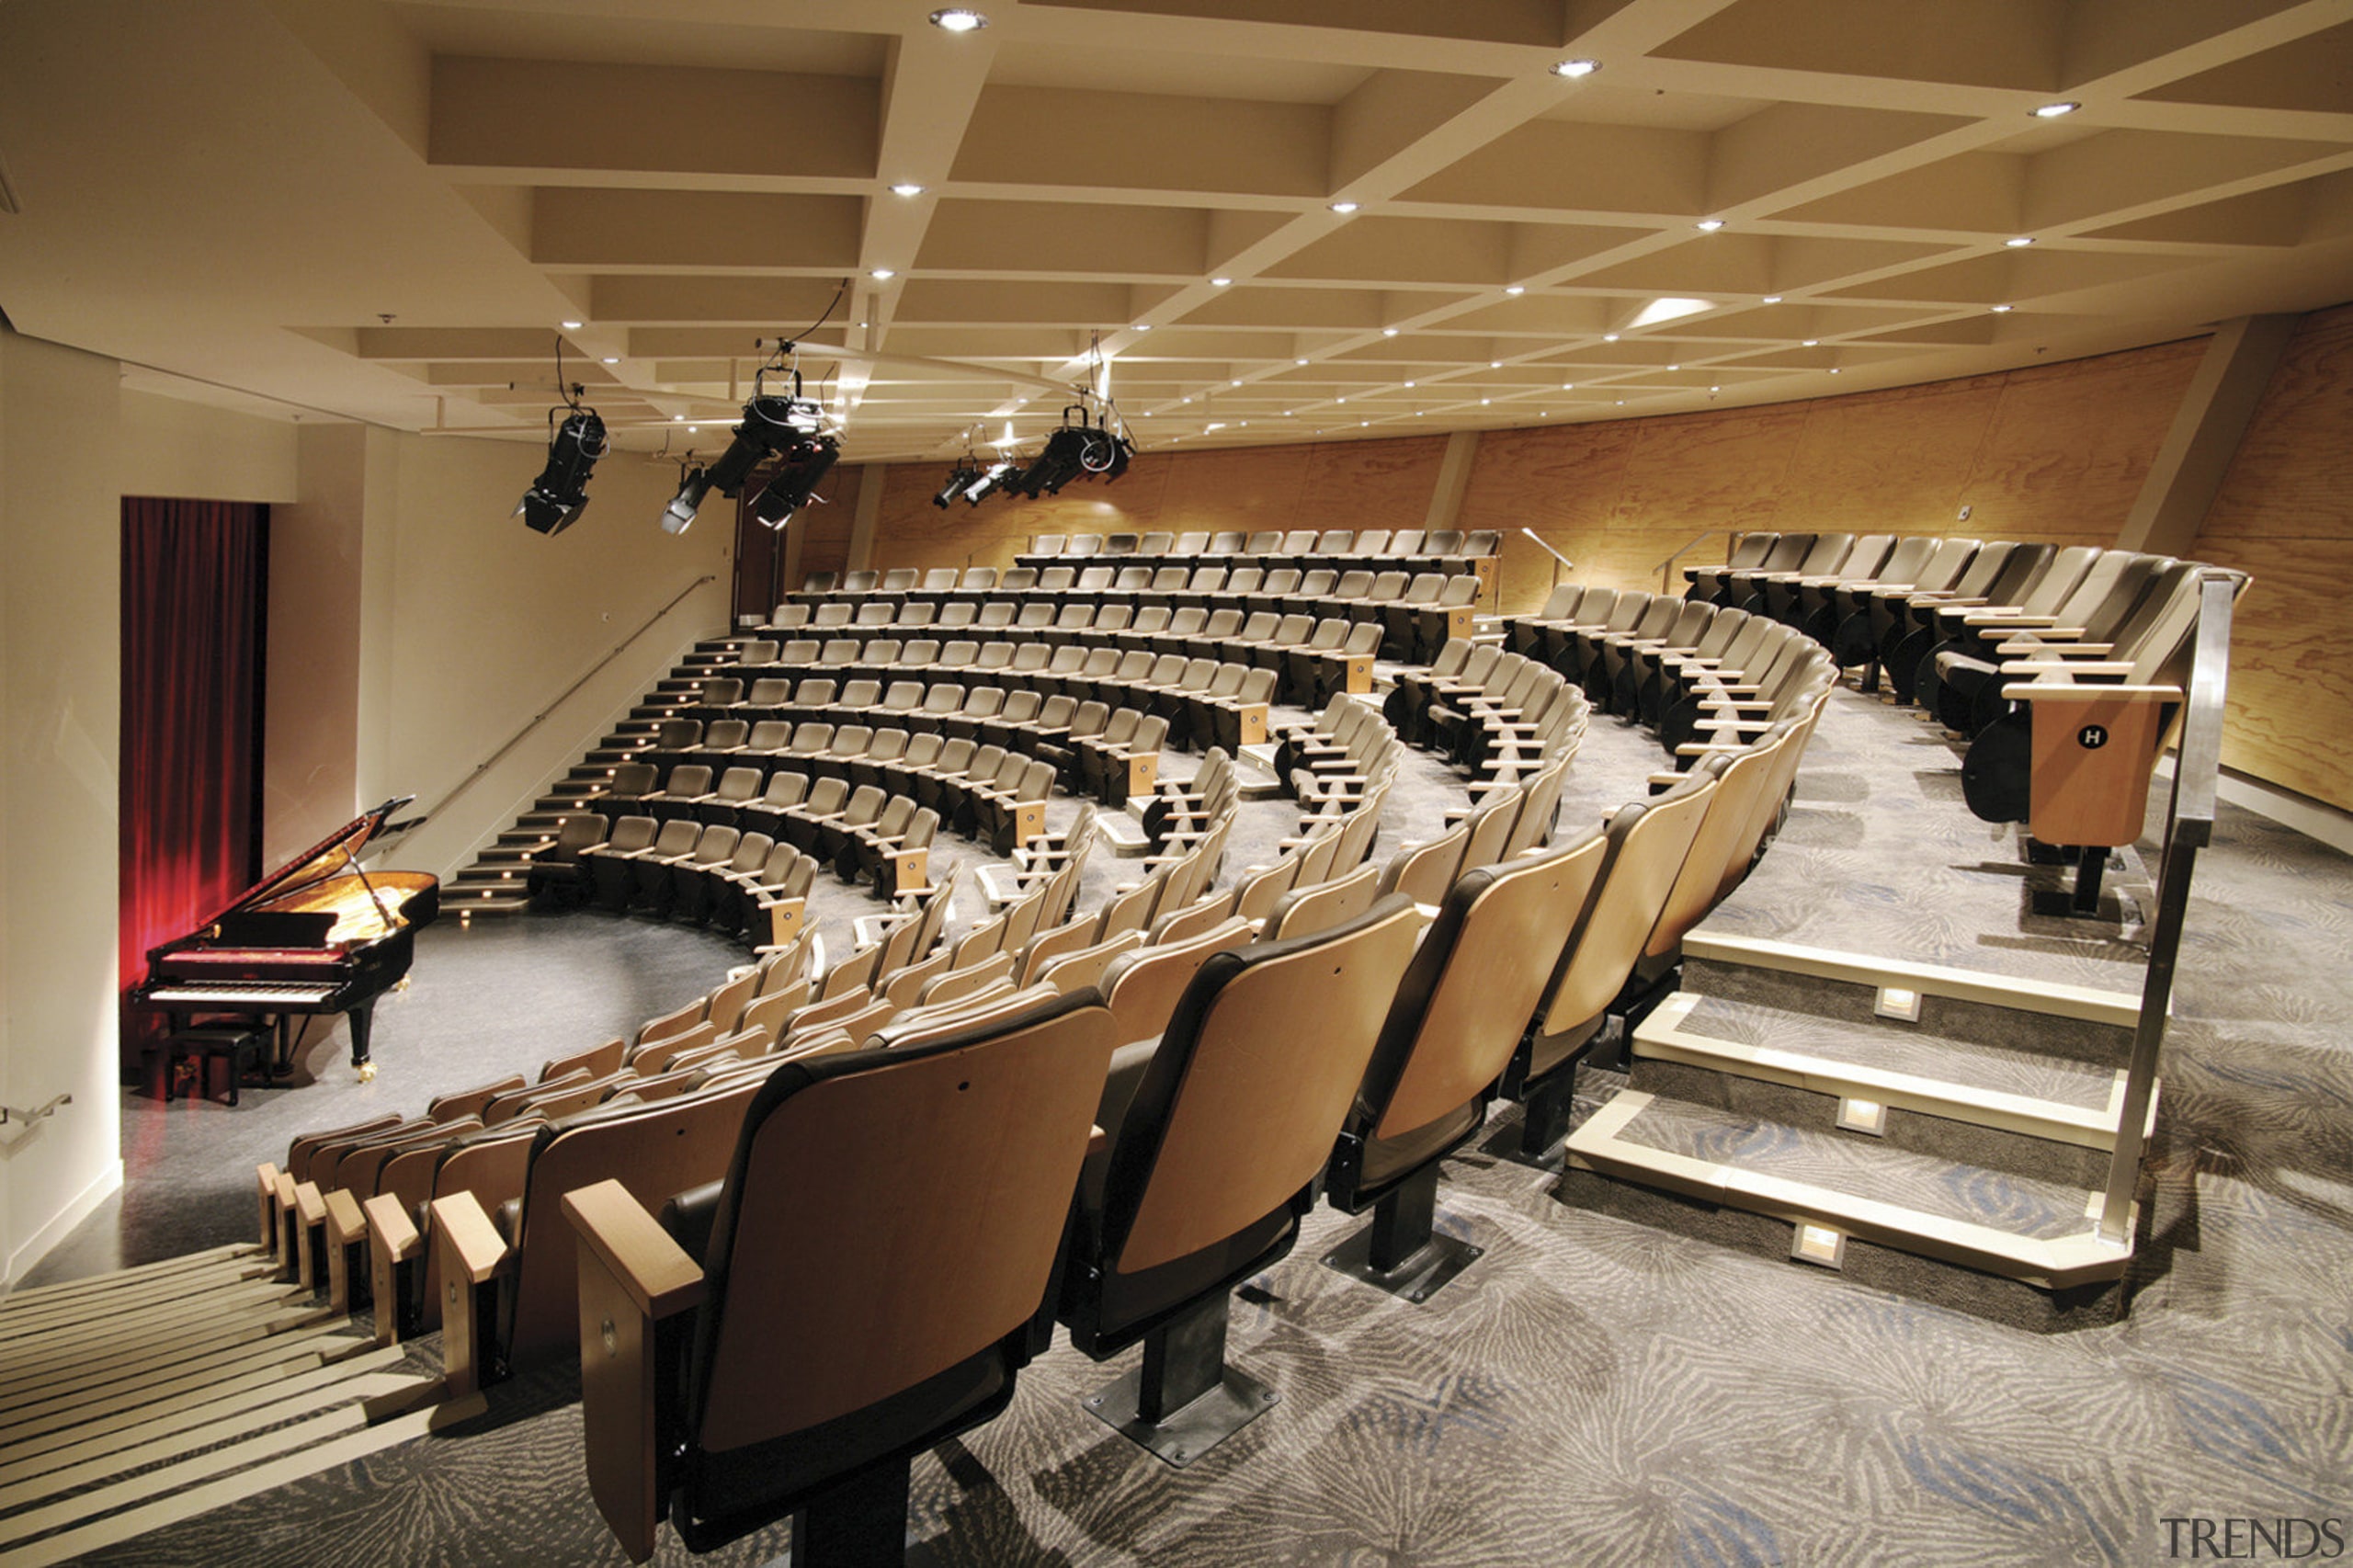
637,1282
660,1279
468,1251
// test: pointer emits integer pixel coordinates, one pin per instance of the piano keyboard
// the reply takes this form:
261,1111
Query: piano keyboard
242,993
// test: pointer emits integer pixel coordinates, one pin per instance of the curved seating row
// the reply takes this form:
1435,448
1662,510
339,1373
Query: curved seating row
1395,598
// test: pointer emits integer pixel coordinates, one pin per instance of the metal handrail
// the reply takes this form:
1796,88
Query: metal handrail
1731,537
486,764
2189,826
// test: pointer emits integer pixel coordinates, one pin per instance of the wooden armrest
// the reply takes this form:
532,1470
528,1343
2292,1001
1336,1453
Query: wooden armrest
1999,615
2067,691
661,1279
2030,647
2093,669
469,1252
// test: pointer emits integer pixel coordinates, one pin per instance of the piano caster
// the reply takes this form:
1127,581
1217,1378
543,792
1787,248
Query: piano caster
367,1072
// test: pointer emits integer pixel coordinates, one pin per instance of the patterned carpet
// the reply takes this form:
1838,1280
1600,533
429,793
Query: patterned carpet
1593,1389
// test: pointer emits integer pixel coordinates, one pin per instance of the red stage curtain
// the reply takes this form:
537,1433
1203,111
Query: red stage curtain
193,575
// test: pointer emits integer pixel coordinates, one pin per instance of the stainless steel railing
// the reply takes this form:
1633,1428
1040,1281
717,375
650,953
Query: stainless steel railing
2189,827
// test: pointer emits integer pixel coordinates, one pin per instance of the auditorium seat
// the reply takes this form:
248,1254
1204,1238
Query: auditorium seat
807,1392
1646,843
1452,1029
1211,1164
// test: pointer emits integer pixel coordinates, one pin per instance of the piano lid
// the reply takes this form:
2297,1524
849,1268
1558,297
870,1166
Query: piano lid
333,857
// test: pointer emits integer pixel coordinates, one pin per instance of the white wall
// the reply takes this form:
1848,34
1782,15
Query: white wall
60,533
415,627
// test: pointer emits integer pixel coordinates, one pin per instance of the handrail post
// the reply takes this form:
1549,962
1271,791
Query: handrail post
2190,825
1732,538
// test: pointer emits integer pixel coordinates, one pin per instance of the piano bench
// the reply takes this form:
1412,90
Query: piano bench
244,1048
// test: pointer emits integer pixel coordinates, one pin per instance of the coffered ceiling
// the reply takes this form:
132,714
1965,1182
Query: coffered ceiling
385,211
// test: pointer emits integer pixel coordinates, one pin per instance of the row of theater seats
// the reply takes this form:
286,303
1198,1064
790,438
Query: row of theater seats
1041,707
1297,547
1982,634
1403,603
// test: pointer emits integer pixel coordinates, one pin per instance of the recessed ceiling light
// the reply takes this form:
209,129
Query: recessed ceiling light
1715,388
1833,370
957,20
1495,364
1339,400
906,188
1484,401
612,359
1363,423
881,274
1772,299
1608,338
1573,69
2004,309
1299,361
1568,386
1674,367
1670,308
2018,241
2053,111
1143,326
1411,384
694,429
680,418
1238,383
1184,400
1708,226
571,326
1286,413
1220,282
1810,343
1343,208
1516,289
1388,332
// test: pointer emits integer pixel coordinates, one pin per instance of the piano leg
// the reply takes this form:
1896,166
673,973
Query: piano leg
363,1018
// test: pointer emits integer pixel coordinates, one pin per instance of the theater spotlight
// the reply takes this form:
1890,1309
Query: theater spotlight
959,481
801,463
1069,451
987,481
789,428
559,495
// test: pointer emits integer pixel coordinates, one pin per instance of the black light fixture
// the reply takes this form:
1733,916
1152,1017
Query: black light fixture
559,494
1075,450
788,428
959,480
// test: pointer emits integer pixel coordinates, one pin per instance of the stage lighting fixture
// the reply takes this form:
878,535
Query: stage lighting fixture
559,495
989,481
959,480
789,428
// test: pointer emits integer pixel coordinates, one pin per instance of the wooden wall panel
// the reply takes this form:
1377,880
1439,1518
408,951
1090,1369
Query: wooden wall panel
2285,514
2070,445
2293,476
1370,484
1894,461
1248,488
1563,482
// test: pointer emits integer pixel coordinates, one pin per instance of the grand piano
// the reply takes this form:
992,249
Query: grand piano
319,934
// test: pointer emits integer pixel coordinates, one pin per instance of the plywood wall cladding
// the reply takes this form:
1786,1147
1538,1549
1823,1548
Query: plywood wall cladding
2052,453
2285,513
1322,485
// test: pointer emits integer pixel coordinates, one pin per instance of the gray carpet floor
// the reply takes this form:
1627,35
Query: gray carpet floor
1594,1389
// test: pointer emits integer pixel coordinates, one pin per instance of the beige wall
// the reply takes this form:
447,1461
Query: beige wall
61,534
178,448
